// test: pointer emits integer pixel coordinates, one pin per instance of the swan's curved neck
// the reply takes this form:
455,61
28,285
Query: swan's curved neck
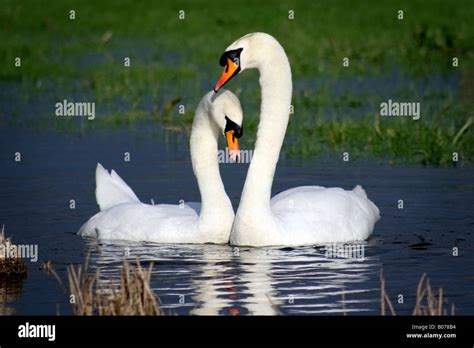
203,145
276,87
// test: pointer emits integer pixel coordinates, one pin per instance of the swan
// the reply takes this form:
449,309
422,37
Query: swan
122,215
302,215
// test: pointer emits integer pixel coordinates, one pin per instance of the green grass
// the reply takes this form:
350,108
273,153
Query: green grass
174,59
404,141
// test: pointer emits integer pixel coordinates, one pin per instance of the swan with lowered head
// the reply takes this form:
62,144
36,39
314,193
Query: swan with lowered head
123,216
302,215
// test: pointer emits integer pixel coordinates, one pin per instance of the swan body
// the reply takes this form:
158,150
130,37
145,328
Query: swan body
123,216
302,215
312,215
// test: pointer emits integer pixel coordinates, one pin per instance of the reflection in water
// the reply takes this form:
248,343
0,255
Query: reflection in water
214,288
407,242
256,278
218,279
240,286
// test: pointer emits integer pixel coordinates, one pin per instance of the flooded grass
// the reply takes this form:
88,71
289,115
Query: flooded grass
176,60
402,142
47,35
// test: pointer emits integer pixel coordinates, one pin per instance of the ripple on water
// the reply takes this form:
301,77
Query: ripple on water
214,279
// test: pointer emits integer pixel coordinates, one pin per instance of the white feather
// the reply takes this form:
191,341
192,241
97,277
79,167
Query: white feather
123,216
302,215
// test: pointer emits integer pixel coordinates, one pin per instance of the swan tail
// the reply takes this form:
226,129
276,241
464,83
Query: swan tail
360,191
111,190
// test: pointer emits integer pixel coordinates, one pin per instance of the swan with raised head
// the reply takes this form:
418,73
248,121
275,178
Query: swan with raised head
302,215
122,215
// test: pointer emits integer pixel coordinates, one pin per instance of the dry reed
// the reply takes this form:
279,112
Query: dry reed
427,302
91,295
11,266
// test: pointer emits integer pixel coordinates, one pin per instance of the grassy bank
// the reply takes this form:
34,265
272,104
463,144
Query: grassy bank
177,59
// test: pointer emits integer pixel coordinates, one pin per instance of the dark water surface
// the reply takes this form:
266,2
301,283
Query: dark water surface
206,279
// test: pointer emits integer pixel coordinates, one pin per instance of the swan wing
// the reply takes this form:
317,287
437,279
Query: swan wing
111,190
196,206
314,214
162,223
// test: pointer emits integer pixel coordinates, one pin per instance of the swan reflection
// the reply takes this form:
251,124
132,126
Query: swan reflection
221,280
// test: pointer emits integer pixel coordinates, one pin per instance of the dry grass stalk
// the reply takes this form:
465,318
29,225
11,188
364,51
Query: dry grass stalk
427,302
93,296
11,266
343,295
384,298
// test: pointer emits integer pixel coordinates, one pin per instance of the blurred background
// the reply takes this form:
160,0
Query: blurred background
174,60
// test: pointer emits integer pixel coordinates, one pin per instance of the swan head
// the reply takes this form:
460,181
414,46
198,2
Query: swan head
248,52
226,112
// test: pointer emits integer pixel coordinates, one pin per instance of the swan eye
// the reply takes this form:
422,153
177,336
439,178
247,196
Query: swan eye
238,132
234,56
232,126
230,60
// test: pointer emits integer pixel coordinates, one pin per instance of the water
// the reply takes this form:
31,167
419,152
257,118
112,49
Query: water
217,279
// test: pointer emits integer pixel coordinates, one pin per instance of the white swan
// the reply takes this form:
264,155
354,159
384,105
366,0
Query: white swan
123,216
302,215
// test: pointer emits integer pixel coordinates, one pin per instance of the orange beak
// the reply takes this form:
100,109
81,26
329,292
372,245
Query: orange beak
229,71
232,145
